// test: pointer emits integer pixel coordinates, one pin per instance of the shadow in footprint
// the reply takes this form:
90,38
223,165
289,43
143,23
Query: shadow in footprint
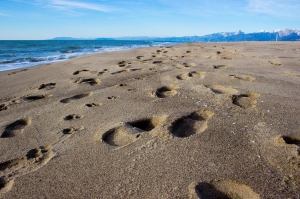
245,100
47,86
72,117
75,97
91,81
129,132
191,124
16,128
3,107
221,189
36,97
166,91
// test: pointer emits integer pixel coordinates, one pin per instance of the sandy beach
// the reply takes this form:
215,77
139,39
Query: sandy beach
197,120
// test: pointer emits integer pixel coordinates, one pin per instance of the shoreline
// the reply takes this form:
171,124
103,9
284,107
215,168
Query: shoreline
192,120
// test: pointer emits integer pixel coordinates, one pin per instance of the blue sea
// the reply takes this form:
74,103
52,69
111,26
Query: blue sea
20,54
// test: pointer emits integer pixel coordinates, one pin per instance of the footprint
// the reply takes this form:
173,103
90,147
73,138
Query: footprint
196,74
36,97
76,97
221,89
243,77
157,62
15,72
84,71
245,100
93,105
275,63
129,132
34,160
5,186
221,189
112,97
91,81
166,91
72,117
102,72
124,63
120,71
3,107
139,57
219,66
16,128
47,86
72,130
291,140
189,64
191,124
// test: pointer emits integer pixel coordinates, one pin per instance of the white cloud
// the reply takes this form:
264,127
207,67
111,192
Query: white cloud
67,4
275,7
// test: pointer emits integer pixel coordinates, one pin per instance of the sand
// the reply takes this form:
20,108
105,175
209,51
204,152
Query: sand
198,120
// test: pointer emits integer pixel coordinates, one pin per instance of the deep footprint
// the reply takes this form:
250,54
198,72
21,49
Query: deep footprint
221,189
166,91
16,128
36,97
91,81
72,117
245,100
129,132
47,86
191,124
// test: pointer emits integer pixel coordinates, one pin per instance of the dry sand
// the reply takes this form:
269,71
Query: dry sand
200,120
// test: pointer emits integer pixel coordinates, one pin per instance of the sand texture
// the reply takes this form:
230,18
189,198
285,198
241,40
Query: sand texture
199,120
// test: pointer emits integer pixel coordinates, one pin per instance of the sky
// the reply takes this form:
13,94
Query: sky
45,19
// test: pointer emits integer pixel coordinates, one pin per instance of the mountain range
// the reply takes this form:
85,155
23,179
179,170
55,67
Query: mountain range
276,35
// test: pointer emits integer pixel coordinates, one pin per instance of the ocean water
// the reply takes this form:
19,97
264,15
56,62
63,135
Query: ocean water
20,54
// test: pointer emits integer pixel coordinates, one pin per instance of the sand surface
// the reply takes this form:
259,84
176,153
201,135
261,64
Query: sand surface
199,120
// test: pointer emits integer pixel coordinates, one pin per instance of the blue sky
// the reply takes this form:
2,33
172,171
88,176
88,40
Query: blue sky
44,19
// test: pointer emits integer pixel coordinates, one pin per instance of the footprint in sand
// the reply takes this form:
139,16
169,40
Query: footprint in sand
275,63
15,72
243,77
102,72
120,71
16,128
221,189
91,81
72,117
139,57
165,91
247,100
75,97
191,124
124,63
72,130
84,71
219,66
47,86
34,160
195,74
189,64
221,89
291,140
36,97
4,107
90,105
112,97
129,132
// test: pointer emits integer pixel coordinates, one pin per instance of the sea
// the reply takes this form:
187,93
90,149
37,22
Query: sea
16,54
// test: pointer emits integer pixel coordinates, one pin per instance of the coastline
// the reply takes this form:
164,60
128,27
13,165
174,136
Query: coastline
182,121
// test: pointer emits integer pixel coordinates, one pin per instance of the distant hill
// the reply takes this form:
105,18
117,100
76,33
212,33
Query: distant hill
279,35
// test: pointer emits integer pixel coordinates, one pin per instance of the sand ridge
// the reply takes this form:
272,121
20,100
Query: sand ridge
198,120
